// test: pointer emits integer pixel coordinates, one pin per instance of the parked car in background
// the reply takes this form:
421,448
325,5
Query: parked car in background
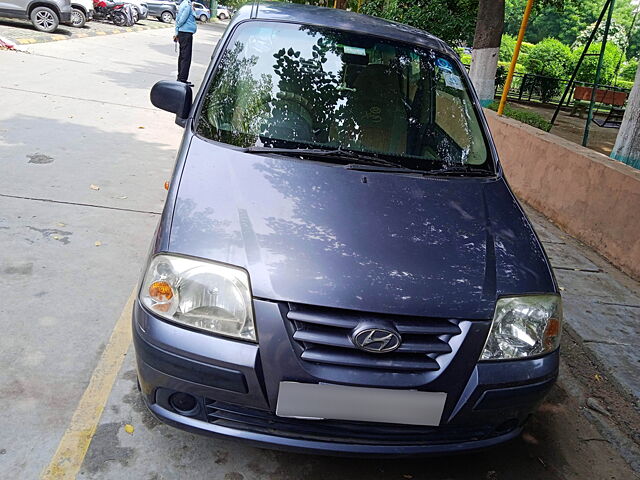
341,266
45,15
81,12
165,11
223,13
202,13
141,9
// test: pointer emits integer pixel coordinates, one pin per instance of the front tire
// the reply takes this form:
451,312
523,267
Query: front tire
222,16
119,19
203,18
45,19
166,17
78,18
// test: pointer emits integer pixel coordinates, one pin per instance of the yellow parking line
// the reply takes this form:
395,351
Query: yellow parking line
101,33
26,40
73,446
58,37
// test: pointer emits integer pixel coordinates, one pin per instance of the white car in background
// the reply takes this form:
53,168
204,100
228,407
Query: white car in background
81,12
140,9
223,13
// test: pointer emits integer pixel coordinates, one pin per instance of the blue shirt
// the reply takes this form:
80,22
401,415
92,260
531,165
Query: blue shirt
186,18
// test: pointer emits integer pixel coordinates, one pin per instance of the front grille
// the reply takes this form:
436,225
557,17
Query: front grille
259,421
323,335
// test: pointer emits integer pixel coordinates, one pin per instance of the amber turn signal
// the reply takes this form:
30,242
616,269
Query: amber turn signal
160,291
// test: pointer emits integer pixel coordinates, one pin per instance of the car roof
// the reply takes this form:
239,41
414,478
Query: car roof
339,19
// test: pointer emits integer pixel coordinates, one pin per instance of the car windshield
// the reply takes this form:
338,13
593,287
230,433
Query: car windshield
299,86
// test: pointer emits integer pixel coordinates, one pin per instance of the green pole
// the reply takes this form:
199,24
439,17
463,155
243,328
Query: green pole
587,128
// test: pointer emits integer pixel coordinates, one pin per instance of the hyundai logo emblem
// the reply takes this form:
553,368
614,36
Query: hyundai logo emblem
376,340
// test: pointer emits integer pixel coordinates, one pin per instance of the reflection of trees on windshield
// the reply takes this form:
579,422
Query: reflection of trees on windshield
303,108
304,86
237,104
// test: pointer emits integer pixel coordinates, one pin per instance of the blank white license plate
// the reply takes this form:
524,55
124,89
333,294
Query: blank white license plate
337,402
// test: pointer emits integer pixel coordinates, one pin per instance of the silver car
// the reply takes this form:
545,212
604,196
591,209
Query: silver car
45,15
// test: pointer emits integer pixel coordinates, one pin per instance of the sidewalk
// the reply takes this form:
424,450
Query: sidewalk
601,305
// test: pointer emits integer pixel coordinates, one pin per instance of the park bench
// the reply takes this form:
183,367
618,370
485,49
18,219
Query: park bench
614,98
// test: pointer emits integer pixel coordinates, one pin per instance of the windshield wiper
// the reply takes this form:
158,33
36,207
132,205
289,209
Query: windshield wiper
460,170
338,153
386,168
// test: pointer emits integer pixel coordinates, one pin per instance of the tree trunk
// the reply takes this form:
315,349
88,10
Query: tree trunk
627,148
486,48
342,4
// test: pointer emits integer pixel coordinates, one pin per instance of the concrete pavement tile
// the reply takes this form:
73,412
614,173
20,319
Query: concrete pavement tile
547,232
60,298
595,287
598,322
566,257
622,363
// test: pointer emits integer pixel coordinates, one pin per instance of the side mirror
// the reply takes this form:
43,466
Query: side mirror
174,97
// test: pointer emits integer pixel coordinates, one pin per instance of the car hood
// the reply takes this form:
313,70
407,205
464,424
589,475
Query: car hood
319,234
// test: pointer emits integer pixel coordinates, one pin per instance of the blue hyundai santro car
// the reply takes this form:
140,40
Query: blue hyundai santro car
341,266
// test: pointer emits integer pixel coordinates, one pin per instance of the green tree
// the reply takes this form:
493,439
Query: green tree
628,71
452,20
613,56
549,58
565,20
617,35
507,47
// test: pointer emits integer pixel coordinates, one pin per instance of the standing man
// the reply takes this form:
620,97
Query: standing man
185,28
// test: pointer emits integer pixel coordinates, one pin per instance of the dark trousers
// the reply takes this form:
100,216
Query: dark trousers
185,39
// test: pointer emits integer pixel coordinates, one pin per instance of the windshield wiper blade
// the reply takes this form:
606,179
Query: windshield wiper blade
337,153
392,168
460,170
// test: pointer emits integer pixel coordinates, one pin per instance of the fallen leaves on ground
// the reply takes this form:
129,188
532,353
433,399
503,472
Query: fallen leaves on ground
129,429
94,187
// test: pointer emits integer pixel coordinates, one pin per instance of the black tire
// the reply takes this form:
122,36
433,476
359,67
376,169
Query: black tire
136,16
222,16
203,18
166,17
78,18
119,19
45,19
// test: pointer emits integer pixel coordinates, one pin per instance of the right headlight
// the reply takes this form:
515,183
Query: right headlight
522,327
200,294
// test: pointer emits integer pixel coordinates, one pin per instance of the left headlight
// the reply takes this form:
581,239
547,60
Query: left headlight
203,295
524,327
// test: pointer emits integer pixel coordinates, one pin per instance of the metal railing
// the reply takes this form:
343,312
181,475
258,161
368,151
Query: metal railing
527,87
548,90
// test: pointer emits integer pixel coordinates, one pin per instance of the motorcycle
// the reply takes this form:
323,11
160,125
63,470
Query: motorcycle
120,13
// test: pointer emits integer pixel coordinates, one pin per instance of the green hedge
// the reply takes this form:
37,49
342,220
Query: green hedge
624,84
530,118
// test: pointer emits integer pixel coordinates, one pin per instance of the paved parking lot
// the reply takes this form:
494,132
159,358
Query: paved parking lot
22,32
84,158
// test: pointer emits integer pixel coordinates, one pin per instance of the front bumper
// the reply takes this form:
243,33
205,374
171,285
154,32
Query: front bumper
236,390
